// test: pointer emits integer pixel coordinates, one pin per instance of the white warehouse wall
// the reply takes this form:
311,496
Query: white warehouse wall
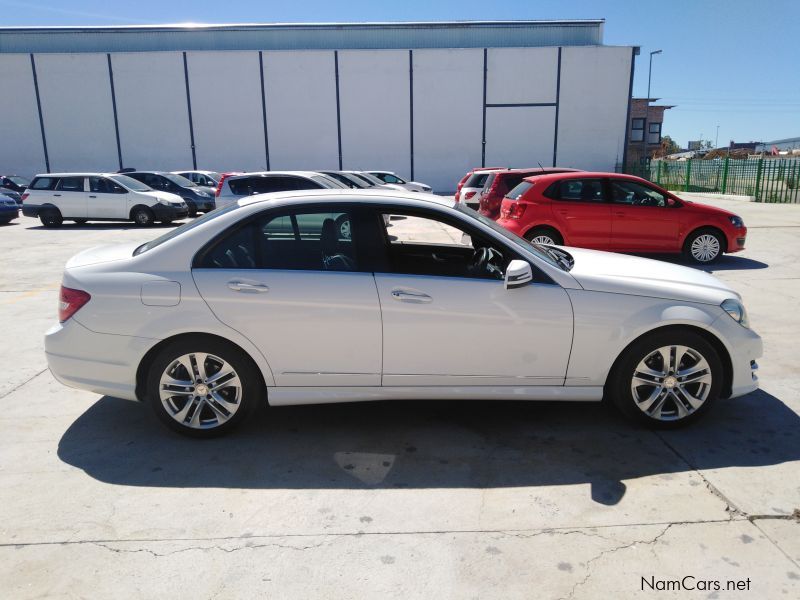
526,96
375,110
150,89
226,110
75,91
21,150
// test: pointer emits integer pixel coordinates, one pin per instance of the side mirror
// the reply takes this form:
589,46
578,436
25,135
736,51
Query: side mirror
518,274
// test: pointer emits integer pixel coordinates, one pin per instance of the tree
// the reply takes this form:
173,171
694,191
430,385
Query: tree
668,146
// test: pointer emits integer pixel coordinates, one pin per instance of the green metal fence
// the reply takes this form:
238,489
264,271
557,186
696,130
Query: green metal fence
764,179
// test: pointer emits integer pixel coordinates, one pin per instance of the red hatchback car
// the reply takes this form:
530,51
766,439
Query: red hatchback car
499,183
610,211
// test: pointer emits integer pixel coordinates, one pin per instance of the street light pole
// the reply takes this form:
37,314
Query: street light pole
645,133
716,139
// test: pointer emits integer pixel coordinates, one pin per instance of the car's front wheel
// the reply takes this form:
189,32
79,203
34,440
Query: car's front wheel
202,387
704,246
667,379
143,216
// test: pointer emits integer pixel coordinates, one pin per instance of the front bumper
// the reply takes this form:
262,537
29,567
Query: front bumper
745,348
736,239
100,363
172,213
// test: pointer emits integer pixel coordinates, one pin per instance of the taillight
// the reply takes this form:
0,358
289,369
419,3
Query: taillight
24,197
219,185
512,210
70,301
469,195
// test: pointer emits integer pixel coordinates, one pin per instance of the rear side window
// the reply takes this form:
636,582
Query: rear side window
70,184
519,190
585,190
44,183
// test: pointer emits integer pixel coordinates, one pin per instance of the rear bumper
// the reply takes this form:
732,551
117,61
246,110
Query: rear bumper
8,212
513,225
100,363
31,210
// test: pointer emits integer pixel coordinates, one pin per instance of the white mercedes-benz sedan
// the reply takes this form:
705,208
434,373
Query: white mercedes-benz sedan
344,295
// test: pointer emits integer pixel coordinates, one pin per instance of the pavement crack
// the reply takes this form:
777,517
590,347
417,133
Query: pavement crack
590,563
246,546
19,385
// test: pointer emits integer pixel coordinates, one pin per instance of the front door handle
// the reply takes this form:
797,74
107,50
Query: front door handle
248,288
90,196
412,297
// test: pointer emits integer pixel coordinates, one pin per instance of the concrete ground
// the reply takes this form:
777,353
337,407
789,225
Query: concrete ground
405,500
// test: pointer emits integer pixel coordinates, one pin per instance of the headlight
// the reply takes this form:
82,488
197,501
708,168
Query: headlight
163,201
736,221
204,194
737,312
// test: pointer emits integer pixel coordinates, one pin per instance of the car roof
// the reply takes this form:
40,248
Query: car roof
576,174
267,173
371,195
77,174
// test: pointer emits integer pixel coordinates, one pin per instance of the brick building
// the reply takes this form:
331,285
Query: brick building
644,128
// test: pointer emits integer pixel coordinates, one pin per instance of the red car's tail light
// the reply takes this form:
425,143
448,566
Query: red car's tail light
514,210
70,301
469,195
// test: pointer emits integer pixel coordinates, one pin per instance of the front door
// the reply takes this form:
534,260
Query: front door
447,318
643,219
70,197
106,199
294,283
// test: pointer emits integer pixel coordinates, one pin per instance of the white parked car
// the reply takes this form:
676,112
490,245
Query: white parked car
243,185
265,301
472,190
82,197
395,179
203,178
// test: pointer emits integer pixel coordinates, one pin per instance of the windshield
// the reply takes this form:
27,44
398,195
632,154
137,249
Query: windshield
327,181
217,212
363,178
371,178
130,183
178,180
541,251
19,180
355,181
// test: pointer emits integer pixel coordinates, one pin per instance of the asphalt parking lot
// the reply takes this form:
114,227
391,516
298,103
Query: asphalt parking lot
406,500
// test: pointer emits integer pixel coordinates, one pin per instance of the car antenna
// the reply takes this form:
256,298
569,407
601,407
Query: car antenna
540,165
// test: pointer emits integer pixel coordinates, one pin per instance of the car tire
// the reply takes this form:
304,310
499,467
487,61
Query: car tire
544,235
51,217
646,384
5,221
704,246
143,216
191,206
166,221
343,227
210,414
80,221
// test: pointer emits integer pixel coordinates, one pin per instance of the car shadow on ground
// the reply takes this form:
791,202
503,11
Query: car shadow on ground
118,225
427,445
725,262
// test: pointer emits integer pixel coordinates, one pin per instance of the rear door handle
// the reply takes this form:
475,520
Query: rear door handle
90,196
248,288
411,297
57,195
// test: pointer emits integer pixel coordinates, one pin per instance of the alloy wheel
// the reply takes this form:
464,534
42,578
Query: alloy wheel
543,239
705,247
200,390
671,383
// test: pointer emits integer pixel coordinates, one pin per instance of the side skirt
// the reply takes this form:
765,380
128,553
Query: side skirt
279,396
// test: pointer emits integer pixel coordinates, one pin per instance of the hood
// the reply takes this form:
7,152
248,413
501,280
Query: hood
707,209
101,254
167,196
622,274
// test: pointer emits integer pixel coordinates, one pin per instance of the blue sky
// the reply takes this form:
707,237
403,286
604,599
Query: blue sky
733,63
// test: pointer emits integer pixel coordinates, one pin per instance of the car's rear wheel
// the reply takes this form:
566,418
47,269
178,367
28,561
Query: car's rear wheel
704,246
544,235
143,216
667,379
51,217
203,387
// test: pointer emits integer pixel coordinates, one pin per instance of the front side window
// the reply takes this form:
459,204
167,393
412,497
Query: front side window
427,245
582,190
636,194
637,130
297,241
70,184
102,185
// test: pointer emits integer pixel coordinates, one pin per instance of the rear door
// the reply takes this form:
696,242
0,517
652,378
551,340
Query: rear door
644,219
302,292
70,197
581,212
106,199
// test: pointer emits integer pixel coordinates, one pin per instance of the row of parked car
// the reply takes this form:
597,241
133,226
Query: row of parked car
602,211
149,196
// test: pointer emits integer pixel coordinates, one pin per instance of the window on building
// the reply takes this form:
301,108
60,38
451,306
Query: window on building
654,133
637,130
